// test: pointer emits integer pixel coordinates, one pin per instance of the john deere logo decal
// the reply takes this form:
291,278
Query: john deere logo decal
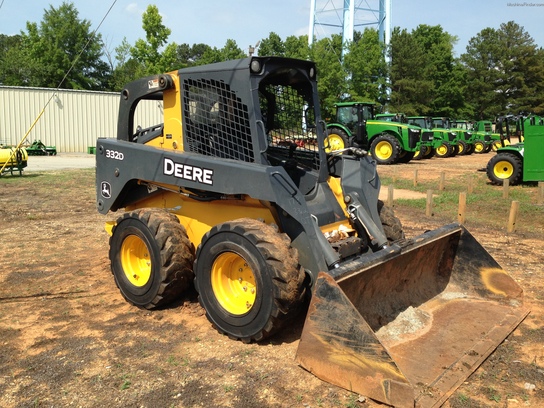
105,189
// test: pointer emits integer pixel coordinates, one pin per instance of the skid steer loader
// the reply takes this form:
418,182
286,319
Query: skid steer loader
234,190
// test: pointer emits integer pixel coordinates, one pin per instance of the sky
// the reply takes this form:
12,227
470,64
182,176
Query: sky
212,22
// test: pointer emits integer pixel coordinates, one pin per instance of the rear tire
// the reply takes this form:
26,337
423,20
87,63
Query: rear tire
505,166
248,279
151,257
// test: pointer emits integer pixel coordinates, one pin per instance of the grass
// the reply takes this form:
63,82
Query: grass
485,206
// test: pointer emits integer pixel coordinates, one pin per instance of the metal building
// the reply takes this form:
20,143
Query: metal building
71,120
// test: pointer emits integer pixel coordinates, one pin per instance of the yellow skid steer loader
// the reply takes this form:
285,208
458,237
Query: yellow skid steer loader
236,192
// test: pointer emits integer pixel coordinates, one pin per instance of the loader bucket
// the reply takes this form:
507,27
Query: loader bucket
412,323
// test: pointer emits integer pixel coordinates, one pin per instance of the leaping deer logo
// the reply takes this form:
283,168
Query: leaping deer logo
106,189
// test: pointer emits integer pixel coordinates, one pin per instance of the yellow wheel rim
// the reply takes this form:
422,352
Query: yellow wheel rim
233,283
383,150
135,260
334,142
479,147
417,154
461,148
503,169
442,150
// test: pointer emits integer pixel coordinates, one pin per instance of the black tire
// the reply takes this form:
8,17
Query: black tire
454,150
444,150
385,149
337,139
151,257
429,153
504,166
390,223
470,148
269,288
479,146
405,156
462,148
420,154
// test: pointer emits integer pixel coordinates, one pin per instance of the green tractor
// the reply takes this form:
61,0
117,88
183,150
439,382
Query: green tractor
467,137
435,139
391,117
442,130
484,138
523,161
356,125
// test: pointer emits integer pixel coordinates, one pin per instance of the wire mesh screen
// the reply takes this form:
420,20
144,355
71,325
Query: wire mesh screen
216,121
289,120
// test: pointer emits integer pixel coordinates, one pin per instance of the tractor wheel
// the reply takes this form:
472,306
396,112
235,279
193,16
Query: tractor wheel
420,153
405,156
248,279
444,150
336,139
151,257
385,149
479,146
431,151
470,148
390,223
505,166
462,147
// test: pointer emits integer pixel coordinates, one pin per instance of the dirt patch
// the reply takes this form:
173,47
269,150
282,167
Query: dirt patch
69,339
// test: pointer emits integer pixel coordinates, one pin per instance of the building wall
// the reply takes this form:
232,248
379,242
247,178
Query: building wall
67,119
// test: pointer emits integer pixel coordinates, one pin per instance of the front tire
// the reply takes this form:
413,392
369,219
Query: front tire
385,149
390,223
151,257
248,279
444,150
336,139
505,166
479,146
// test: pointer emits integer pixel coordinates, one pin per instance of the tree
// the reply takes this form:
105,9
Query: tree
187,55
441,68
332,84
367,67
154,54
61,45
410,91
504,72
14,62
230,51
273,45
126,69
